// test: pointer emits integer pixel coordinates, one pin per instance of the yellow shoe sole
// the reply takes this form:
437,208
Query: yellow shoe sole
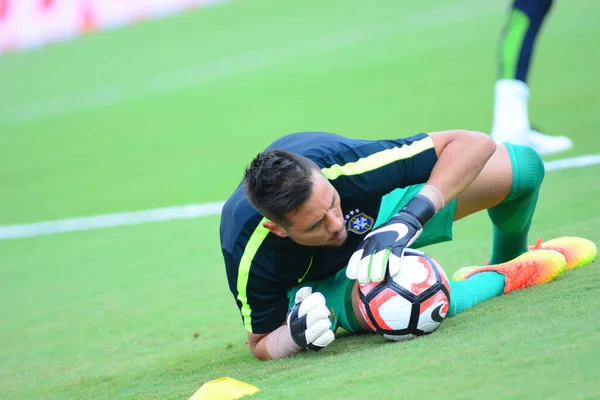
577,251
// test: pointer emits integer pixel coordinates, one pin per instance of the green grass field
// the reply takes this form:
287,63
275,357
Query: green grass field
169,112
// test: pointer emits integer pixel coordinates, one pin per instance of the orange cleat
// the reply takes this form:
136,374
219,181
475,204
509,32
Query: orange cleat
529,269
577,251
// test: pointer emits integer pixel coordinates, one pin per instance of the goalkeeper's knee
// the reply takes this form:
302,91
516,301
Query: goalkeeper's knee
527,170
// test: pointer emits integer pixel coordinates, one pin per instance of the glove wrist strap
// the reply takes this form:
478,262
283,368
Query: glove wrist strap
434,195
421,208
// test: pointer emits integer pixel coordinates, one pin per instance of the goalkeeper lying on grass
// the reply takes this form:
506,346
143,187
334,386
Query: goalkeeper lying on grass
306,203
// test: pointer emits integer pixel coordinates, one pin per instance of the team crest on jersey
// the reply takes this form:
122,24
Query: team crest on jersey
358,222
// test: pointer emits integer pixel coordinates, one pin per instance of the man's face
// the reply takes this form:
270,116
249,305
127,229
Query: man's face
319,221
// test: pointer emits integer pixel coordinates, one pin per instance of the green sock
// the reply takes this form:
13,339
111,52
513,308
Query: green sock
475,289
511,219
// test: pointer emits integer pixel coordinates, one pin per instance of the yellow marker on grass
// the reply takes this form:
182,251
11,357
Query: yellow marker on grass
224,389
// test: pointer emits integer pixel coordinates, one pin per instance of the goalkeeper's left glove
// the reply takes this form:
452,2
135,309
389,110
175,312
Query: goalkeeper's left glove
308,321
369,261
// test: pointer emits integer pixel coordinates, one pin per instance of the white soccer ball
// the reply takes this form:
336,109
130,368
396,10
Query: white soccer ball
412,303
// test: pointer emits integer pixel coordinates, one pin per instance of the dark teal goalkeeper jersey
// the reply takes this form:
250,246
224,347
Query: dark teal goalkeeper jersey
261,267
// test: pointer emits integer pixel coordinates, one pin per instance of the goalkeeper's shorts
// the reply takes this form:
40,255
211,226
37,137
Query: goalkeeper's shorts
337,289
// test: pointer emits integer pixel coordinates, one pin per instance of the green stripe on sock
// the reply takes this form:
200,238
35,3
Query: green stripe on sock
516,29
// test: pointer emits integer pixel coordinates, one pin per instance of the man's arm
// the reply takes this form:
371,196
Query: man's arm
461,157
306,327
258,345
276,344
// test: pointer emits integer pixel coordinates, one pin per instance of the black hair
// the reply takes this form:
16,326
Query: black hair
277,182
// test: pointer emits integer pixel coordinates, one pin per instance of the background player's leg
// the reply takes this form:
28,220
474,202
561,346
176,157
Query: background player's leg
508,187
518,37
517,41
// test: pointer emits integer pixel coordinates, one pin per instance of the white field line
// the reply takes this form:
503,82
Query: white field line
210,71
109,220
187,211
574,162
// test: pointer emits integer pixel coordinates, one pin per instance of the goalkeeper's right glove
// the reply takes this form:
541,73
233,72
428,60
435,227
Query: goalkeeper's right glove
369,263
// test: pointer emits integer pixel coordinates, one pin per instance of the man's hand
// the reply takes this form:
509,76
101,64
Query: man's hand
369,262
308,321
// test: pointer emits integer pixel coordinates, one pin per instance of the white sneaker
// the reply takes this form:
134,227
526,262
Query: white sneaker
541,143
546,144
511,120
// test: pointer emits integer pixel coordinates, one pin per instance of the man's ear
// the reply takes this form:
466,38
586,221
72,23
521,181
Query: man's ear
275,229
